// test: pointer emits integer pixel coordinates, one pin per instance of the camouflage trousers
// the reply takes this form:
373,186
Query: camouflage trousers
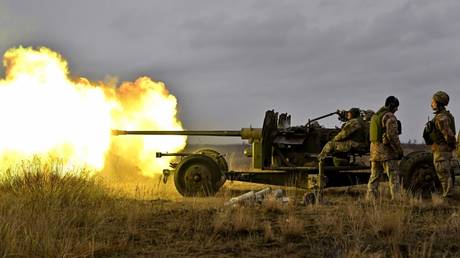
391,168
443,170
329,148
333,146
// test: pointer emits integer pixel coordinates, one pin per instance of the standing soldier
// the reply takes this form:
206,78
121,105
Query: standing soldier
385,149
440,133
351,137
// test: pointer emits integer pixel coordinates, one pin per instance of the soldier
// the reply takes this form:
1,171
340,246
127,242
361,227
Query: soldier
351,137
440,133
385,149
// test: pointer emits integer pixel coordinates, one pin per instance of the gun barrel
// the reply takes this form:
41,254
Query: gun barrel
244,133
188,133
321,117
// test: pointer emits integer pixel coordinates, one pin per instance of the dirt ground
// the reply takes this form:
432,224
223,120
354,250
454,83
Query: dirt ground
344,226
43,214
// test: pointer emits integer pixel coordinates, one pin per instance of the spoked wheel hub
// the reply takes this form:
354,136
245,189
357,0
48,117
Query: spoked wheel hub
198,175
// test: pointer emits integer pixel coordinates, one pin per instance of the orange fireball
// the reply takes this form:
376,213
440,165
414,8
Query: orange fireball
44,112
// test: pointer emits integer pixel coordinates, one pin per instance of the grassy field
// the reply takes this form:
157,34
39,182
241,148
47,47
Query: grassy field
47,213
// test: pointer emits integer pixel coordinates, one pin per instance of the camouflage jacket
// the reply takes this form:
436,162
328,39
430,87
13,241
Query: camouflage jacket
443,151
352,130
458,145
390,148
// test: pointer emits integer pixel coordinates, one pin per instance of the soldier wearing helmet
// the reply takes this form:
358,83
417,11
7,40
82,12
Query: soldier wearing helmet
440,134
351,137
385,149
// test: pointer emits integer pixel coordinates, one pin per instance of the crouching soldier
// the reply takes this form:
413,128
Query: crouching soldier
440,134
352,137
385,149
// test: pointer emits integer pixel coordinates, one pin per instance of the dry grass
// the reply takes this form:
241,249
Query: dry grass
291,227
45,212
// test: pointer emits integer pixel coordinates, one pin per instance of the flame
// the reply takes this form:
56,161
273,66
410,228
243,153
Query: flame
147,105
46,112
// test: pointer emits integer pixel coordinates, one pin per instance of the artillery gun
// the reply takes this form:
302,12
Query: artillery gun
283,155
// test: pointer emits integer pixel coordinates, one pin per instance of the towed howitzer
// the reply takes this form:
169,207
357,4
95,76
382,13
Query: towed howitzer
282,155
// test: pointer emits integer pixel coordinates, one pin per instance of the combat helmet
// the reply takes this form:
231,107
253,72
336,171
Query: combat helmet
355,112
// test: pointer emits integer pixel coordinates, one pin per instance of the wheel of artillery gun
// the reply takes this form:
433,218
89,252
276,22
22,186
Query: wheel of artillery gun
218,158
198,175
418,174
221,162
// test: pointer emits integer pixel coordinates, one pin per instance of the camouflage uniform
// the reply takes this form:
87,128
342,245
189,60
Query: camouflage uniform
442,148
458,145
384,157
347,139
351,137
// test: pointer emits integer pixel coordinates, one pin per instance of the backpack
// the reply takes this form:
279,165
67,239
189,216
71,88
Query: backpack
376,128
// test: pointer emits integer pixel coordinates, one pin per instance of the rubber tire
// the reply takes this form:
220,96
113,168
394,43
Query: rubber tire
418,174
207,187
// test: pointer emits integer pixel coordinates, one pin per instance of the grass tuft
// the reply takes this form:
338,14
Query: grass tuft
43,207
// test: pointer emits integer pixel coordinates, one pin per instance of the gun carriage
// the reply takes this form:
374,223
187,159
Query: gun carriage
284,155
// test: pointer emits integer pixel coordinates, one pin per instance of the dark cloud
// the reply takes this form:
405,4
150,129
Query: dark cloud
228,62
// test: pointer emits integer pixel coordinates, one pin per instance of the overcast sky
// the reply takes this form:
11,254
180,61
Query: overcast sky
229,61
